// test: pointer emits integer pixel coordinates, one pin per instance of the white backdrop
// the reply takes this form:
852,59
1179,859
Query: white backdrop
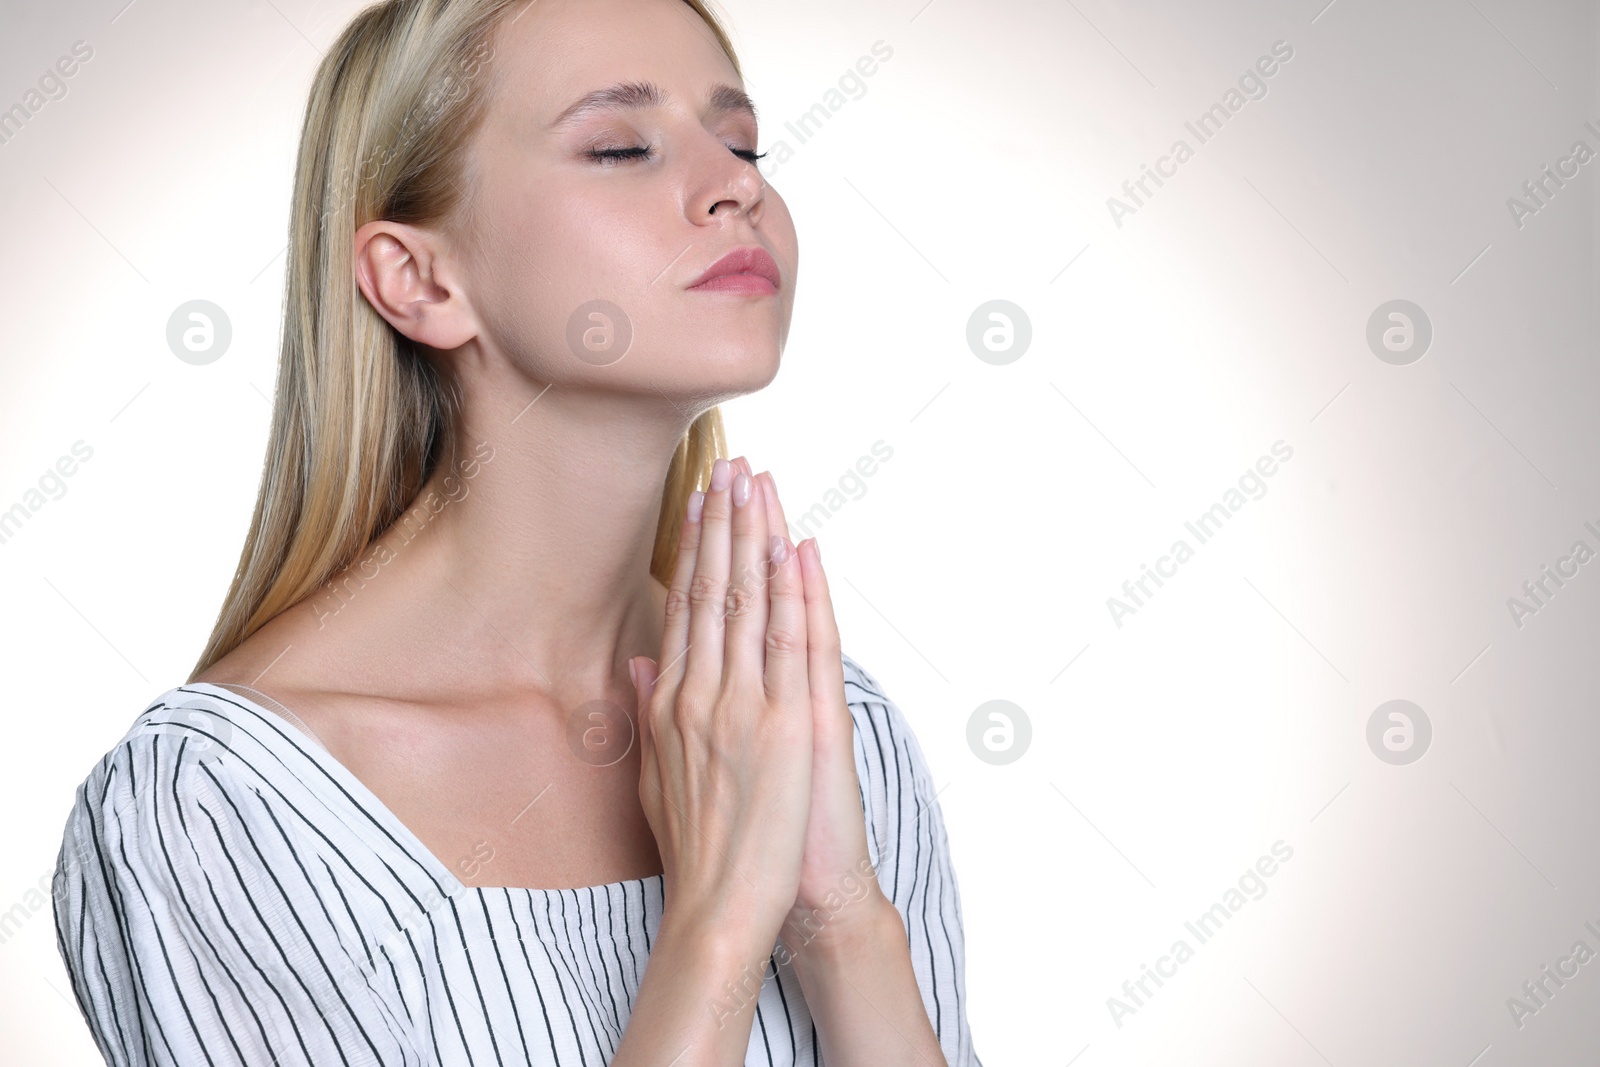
1182,740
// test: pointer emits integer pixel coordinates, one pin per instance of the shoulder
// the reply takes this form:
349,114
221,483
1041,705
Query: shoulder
188,904
195,774
896,780
222,783
175,724
881,727
192,730
910,852
856,676
153,768
205,805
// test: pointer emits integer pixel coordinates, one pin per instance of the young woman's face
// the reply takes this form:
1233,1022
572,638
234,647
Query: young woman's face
588,227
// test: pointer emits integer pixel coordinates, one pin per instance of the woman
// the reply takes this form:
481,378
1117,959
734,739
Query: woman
530,252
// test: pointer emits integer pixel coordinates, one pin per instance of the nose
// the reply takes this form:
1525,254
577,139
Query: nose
731,191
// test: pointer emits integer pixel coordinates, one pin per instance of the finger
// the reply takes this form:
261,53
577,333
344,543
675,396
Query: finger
708,588
649,672
675,630
776,522
644,684
778,532
644,673
825,663
787,635
746,634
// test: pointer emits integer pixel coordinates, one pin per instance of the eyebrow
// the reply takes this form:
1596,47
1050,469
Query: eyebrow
636,95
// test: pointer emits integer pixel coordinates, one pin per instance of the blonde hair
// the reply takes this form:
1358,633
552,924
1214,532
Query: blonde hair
361,418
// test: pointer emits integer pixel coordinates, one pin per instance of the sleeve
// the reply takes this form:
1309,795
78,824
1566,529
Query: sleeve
198,927
913,858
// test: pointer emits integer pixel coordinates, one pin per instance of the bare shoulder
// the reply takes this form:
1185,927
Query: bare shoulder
271,667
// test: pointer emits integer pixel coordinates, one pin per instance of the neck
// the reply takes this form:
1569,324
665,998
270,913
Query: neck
526,556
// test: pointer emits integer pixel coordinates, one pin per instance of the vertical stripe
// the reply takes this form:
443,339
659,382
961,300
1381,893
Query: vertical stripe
213,902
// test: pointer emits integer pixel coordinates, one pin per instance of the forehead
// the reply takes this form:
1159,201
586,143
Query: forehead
553,53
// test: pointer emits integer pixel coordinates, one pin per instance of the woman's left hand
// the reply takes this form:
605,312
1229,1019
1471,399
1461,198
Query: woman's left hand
838,886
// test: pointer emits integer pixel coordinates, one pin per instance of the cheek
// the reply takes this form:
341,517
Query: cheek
778,226
546,254
563,272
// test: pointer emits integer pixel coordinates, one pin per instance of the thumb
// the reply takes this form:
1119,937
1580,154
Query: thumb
643,670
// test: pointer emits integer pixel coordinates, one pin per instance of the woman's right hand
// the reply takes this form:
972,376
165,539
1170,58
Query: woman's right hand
725,719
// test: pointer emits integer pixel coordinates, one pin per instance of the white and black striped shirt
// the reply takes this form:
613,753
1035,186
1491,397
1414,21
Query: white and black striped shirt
229,893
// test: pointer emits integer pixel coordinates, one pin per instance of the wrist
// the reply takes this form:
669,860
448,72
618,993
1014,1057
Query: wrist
723,941
824,932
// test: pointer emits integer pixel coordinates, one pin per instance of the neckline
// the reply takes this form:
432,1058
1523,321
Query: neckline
318,753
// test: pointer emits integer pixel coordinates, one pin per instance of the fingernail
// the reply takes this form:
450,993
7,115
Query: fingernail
721,475
633,672
816,547
741,489
697,501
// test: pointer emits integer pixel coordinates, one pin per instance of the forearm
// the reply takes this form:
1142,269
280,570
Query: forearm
697,999
859,984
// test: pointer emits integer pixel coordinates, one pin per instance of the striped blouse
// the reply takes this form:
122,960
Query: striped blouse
229,893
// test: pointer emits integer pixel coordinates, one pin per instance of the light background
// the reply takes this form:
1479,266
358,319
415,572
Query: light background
1227,313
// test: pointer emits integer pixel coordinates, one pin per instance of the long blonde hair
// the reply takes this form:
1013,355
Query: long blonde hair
361,418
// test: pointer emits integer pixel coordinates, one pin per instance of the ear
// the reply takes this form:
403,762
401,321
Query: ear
406,279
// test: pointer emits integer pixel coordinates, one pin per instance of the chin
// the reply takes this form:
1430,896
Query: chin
712,377
751,368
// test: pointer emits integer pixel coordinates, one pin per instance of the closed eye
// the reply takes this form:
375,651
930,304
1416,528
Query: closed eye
749,155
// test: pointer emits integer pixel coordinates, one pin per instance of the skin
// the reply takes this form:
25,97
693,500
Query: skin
445,681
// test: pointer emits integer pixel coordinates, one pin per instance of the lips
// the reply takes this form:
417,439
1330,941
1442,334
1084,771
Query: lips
749,260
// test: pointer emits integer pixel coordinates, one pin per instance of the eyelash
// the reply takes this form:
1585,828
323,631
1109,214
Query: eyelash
749,155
